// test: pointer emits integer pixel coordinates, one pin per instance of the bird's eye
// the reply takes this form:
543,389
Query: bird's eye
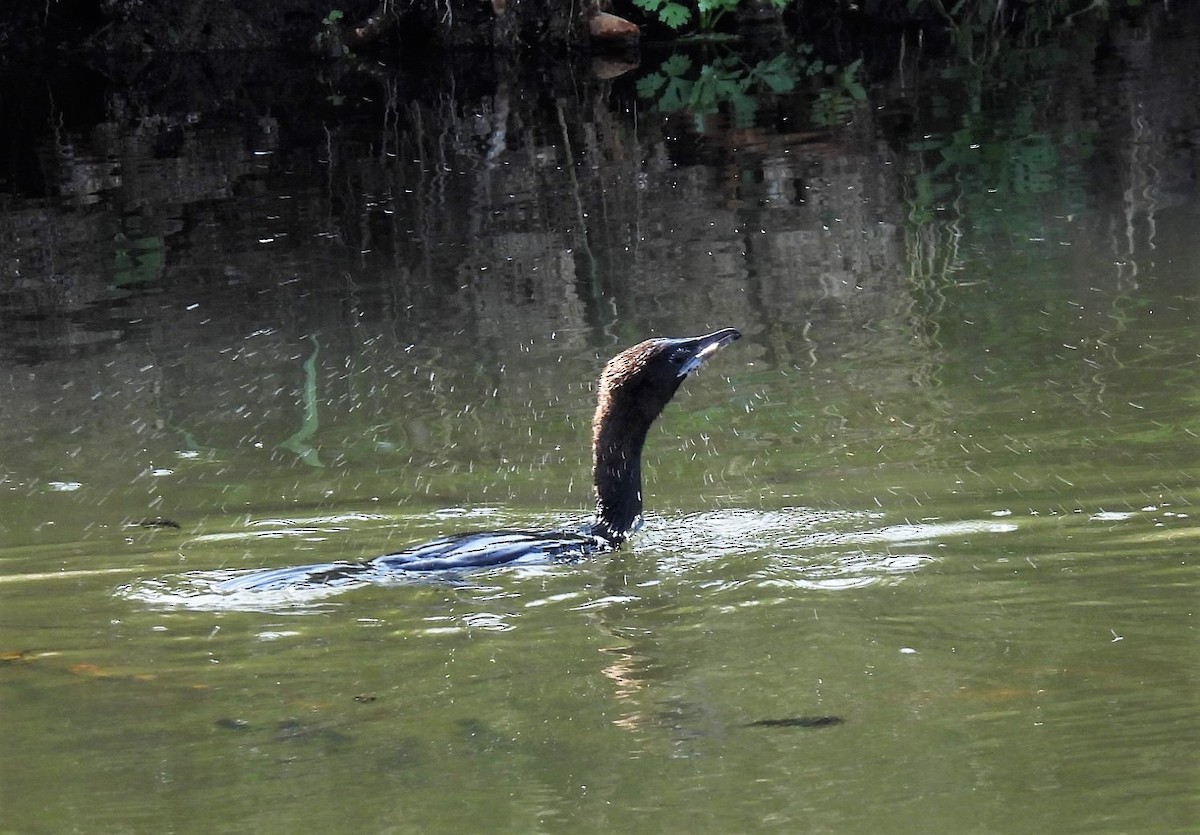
678,356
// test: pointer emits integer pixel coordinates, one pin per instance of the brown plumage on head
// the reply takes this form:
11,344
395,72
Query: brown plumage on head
635,386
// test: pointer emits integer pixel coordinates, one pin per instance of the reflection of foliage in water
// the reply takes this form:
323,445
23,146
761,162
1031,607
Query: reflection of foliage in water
838,97
1005,173
982,30
138,260
299,441
729,81
1004,167
1007,155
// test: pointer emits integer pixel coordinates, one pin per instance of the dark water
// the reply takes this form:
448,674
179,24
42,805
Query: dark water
921,547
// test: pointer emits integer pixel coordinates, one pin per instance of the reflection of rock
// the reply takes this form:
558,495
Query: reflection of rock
608,68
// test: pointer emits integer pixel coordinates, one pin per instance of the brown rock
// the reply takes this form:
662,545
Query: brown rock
608,27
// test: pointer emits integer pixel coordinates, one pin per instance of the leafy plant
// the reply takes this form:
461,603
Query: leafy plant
669,84
723,81
729,81
669,12
707,13
837,99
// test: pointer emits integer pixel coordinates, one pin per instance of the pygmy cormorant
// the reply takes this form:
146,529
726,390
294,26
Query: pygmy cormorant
634,388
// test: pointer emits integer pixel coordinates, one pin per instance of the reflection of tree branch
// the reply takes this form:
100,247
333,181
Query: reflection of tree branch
298,442
498,141
336,39
1101,5
941,10
378,22
576,192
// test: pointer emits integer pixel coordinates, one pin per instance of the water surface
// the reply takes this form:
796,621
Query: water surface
920,551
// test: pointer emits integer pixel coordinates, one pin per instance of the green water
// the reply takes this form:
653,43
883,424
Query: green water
991,581
920,551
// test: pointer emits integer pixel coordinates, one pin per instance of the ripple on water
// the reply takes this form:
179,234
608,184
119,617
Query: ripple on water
724,549
195,591
806,548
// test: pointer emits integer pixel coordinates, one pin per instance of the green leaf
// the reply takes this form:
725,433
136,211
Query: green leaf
674,15
779,74
677,65
649,85
779,83
745,109
705,93
676,96
725,88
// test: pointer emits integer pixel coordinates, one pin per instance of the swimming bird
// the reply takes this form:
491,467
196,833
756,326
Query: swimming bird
634,387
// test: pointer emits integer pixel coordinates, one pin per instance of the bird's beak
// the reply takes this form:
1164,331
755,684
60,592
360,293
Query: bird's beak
703,347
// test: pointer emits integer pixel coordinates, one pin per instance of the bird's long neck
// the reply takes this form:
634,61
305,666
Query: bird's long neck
618,438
